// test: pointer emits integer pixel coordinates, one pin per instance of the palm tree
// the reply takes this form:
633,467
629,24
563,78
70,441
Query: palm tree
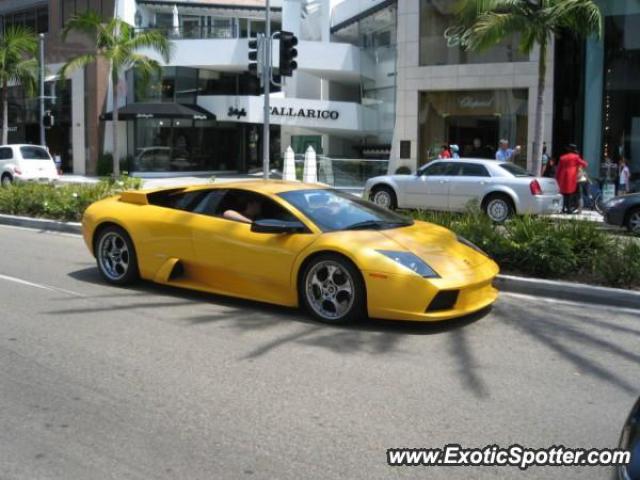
117,43
485,23
18,48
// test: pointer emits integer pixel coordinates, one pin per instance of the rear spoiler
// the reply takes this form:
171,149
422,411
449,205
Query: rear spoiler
147,197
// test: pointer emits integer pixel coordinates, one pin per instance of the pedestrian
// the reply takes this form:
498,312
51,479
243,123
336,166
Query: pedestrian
444,152
549,170
583,188
624,175
455,151
545,156
506,154
567,176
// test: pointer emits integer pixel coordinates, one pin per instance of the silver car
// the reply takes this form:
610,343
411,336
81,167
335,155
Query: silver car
501,189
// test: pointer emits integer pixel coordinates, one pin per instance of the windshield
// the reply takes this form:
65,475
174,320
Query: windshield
515,170
333,210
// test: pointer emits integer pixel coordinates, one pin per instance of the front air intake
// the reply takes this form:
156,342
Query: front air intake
444,300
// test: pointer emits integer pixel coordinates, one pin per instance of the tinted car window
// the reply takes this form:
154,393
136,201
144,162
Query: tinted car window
34,153
474,170
6,154
238,200
515,170
440,168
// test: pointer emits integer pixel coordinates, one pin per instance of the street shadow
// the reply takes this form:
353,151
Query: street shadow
573,342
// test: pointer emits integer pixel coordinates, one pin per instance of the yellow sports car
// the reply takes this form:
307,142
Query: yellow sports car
290,244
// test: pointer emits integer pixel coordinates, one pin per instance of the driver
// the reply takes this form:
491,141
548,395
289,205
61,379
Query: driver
251,210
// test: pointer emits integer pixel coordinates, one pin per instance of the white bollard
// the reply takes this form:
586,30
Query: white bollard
310,171
289,166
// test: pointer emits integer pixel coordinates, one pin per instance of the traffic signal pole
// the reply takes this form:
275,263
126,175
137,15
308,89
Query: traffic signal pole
41,88
266,78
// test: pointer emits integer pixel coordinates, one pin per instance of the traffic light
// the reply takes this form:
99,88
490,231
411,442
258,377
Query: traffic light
48,120
256,46
288,53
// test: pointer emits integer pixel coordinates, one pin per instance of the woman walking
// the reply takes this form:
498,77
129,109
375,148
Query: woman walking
567,177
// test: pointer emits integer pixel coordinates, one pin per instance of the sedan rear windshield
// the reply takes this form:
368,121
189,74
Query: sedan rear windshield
515,170
34,153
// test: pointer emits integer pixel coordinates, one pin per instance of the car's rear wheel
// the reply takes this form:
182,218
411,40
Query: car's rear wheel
633,221
332,289
7,180
116,256
384,197
498,207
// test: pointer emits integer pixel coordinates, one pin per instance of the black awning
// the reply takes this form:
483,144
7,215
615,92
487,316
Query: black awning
134,111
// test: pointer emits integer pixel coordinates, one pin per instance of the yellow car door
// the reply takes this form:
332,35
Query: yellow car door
232,259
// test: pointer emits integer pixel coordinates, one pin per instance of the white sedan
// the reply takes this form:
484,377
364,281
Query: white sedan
501,189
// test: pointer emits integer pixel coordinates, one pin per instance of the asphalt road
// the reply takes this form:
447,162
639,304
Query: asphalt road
98,382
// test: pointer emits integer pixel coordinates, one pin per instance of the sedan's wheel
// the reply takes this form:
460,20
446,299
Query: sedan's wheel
498,208
116,256
384,197
633,221
332,289
6,180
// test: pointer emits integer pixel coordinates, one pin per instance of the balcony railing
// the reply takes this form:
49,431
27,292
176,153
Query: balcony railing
197,32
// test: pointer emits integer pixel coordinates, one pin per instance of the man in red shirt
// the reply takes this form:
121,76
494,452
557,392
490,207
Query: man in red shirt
567,177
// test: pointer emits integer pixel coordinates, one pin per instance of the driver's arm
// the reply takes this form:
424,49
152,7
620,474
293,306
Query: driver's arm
238,217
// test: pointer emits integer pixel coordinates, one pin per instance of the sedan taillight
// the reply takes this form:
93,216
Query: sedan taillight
535,187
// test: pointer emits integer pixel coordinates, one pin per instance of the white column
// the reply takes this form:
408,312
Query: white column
78,144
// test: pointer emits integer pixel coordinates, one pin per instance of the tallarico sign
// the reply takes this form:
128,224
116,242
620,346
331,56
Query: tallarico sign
304,113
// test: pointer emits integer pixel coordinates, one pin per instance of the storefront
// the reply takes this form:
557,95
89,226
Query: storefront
611,121
475,120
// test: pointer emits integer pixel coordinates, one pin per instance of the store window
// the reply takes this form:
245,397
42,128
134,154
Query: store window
35,19
621,102
475,120
436,20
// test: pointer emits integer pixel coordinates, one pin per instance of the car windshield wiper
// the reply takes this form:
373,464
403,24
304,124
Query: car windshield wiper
375,224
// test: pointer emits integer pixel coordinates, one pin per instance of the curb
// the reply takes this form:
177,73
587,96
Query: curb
41,224
576,292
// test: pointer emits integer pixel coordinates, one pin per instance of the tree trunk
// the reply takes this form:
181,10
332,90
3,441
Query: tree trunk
5,113
116,159
536,163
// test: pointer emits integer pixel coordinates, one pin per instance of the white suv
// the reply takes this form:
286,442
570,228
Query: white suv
26,162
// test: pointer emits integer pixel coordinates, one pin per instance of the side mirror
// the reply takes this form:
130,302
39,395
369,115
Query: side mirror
269,225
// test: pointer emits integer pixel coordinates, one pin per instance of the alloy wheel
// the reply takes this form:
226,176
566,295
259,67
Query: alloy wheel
382,198
498,210
113,256
329,289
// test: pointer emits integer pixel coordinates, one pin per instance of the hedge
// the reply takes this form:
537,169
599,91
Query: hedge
548,248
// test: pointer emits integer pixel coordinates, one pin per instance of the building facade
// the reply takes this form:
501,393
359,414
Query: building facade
377,79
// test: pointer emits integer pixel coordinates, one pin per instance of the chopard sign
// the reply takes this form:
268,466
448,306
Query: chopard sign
305,113
472,102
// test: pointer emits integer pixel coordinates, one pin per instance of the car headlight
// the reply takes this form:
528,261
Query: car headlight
613,202
412,262
469,244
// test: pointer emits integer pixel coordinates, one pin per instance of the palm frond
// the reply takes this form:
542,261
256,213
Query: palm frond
75,63
468,11
89,23
582,17
146,67
491,28
25,73
155,40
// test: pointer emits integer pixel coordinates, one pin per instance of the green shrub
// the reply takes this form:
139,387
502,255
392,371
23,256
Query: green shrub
620,267
104,166
61,202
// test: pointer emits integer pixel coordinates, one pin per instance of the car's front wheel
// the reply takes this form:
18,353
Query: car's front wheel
332,289
116,256
633,221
